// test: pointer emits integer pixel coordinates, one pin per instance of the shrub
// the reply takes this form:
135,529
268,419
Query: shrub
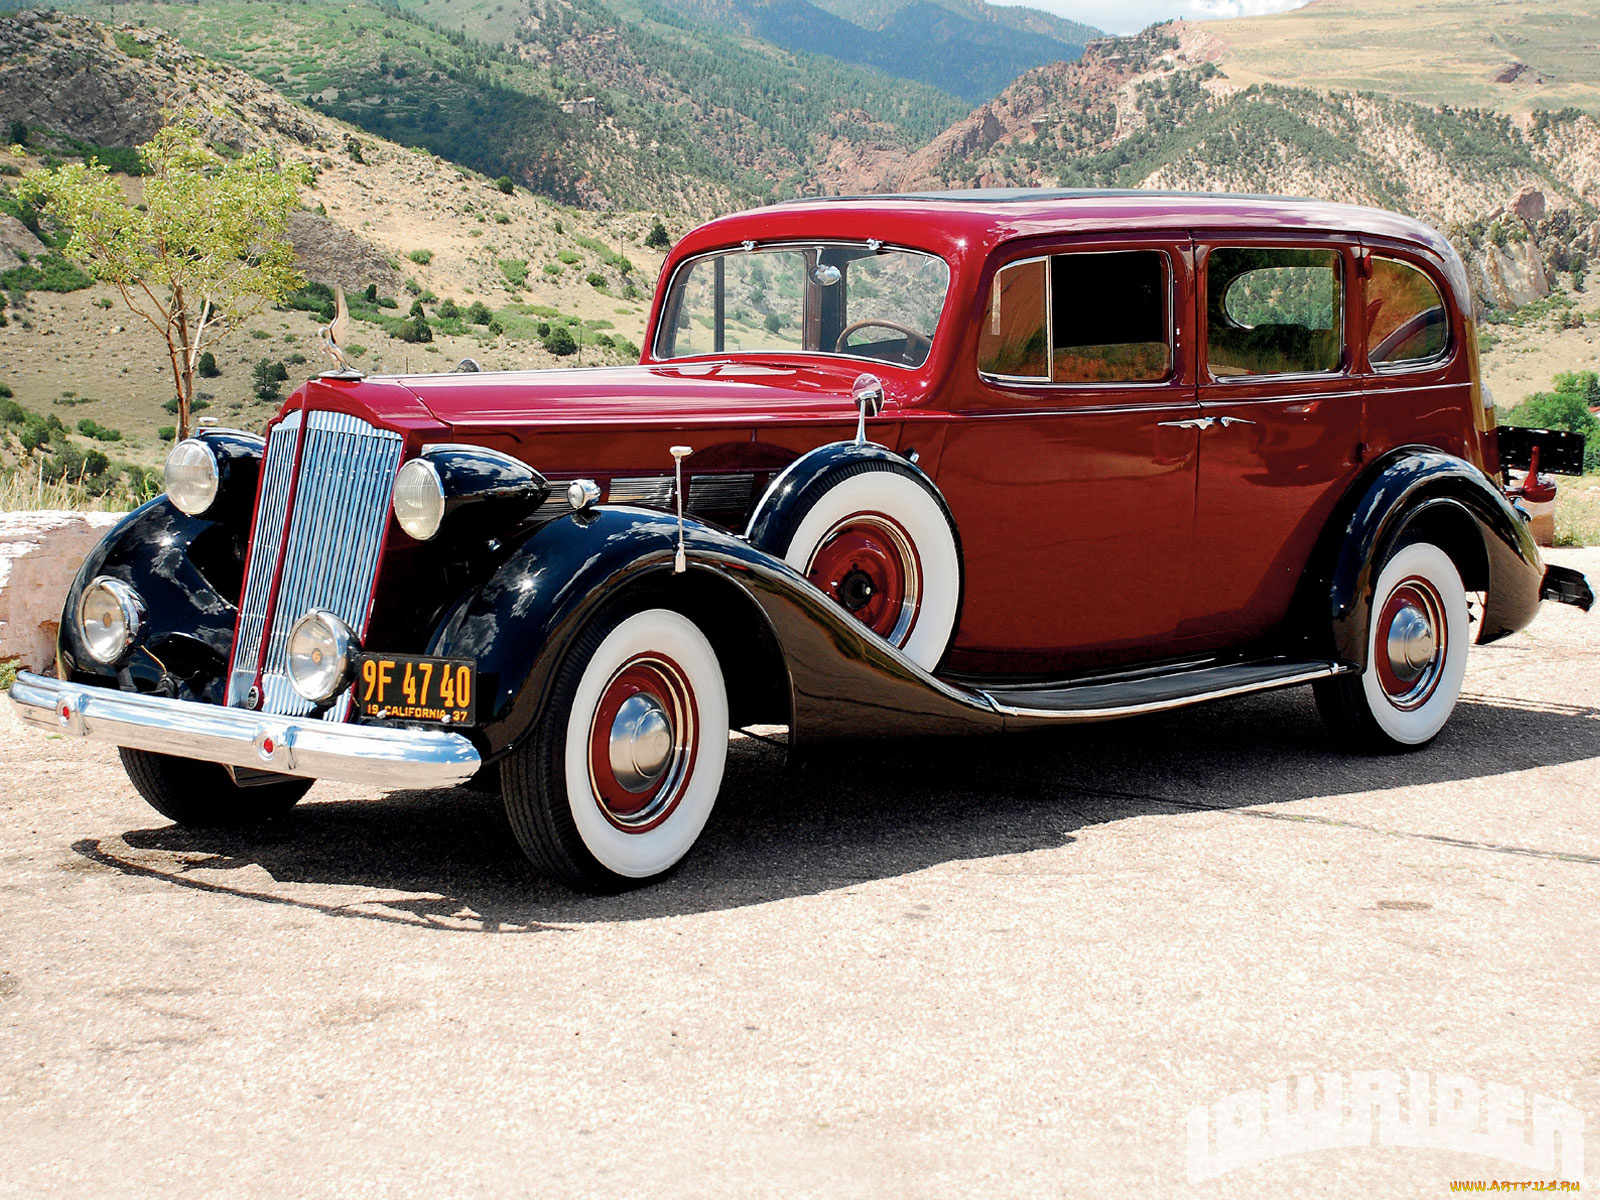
496,328
448,310
657,238
371,293
478,313
5,392
596,280
93,429
19,133
266,382
413,287
35,433
12,413
200,402
504,184
501,218
542,329
1567,407
416,309
421,257
414,329
552,268
560,342
297,358
569,256
207,366
167,432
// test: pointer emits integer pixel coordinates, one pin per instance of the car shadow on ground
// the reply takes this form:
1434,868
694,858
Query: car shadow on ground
840,817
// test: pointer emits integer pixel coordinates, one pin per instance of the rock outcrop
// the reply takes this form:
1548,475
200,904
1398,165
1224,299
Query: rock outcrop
40,553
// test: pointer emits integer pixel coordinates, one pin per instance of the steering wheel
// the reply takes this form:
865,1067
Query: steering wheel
913,338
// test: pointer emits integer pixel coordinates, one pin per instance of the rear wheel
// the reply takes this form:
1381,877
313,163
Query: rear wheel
616,783
1416,657
202,795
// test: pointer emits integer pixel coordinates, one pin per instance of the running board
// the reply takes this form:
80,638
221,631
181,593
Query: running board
1104,700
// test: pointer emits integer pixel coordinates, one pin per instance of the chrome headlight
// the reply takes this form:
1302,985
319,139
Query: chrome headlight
320,647
110,617
419,499
192,476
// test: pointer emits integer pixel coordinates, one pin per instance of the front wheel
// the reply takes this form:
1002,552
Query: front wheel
618,779
202,795
1416,657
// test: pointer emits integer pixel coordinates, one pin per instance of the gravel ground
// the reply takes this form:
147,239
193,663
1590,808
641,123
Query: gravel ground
998,969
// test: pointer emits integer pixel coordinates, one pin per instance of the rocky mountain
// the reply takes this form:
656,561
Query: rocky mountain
966,47
1156,111
414,228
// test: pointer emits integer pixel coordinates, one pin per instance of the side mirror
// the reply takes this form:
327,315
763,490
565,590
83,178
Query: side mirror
867,391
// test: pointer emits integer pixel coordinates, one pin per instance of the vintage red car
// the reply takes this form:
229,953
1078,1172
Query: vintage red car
934,464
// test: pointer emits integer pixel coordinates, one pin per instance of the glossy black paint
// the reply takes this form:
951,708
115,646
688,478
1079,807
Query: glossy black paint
1424,491
1566,586
834,678
792,494
485,491
189,572
239,457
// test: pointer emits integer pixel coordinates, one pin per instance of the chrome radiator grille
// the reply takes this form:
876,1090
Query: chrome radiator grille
330,542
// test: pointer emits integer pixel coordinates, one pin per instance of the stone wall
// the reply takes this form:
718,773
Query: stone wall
40,553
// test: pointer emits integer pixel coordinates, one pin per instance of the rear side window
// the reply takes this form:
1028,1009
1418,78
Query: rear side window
1407,324
1274,312
1080,318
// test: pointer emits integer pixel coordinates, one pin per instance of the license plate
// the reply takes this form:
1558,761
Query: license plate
403,687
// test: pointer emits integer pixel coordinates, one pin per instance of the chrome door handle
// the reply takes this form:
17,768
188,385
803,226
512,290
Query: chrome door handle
1226,421
1190,423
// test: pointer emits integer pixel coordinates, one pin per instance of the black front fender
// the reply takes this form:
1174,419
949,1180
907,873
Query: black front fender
840,680
1417,489
189,572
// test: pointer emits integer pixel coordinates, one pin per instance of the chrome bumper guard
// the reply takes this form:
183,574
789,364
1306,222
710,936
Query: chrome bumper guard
237,737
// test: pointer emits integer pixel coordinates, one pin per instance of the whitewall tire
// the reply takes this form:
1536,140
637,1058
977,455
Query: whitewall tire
618,782
881,545
1417,640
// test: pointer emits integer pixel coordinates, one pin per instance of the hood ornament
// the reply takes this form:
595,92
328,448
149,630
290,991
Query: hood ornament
333,334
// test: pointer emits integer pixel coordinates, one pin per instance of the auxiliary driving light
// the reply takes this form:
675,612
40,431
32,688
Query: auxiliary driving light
320,648
110,616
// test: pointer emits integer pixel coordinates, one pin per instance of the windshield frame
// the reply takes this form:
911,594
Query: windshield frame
665,313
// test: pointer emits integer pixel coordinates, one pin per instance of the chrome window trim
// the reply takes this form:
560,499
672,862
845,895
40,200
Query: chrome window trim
1346,366
871,244
1045,381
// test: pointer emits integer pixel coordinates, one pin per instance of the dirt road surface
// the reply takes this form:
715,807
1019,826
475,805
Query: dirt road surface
1030,968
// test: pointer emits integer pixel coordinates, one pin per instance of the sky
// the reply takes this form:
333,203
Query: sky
1129,16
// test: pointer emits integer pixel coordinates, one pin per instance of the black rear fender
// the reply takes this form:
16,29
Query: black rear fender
1417,492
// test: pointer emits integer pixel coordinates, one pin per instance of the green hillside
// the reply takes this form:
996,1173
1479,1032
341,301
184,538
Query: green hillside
686,118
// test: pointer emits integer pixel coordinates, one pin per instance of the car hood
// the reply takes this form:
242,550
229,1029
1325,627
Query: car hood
641,395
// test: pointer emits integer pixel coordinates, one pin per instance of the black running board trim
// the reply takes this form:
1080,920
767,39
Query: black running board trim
1156,693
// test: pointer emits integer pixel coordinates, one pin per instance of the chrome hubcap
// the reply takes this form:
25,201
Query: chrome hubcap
641,743
1412,643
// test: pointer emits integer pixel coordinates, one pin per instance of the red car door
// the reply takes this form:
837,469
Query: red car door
1069,456
1283,412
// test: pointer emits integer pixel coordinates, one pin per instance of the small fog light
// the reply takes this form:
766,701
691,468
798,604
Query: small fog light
583,493
320,647
110,616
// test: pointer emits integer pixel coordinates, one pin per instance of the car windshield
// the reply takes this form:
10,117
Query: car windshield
859,299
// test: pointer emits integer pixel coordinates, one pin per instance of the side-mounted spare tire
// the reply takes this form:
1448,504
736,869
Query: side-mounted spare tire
874,534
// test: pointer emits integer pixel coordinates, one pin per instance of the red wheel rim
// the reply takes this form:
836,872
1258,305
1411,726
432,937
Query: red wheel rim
869,565
642,742
1412,643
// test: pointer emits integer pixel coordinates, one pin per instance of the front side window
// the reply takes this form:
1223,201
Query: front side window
851,299
1087,317
1274,312
1407,324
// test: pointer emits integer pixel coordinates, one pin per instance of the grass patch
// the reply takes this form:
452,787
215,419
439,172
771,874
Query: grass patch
515,271
1578,511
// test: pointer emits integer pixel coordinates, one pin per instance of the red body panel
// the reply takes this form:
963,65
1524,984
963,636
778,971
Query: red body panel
1094,532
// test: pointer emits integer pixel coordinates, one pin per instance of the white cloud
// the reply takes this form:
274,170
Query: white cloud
1127,16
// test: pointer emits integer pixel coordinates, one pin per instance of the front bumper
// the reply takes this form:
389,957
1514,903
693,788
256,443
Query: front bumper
237,737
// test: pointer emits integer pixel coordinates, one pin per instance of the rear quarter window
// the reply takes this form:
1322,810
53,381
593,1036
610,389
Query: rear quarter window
1408,324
